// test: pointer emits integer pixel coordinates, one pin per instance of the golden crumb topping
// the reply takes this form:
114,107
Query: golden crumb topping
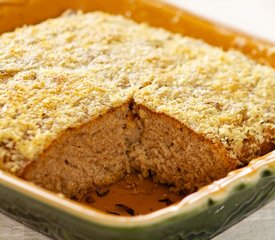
85,41
66,71
223,96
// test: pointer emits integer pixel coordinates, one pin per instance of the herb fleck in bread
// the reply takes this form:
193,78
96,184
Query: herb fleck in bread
88,98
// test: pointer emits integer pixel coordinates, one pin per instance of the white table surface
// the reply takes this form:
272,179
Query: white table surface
258,19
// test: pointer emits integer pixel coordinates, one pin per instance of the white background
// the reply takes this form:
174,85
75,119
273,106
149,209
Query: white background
256,17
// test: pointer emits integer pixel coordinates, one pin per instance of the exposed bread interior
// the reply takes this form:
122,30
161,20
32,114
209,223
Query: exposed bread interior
87,157
88,98
173,154
124,140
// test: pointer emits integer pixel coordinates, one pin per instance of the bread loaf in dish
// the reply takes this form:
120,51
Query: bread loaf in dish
86,99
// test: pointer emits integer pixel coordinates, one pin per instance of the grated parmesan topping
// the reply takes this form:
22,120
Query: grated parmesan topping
67,71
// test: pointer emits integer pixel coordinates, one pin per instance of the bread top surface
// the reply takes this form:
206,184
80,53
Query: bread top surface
86,41
66,71
223,96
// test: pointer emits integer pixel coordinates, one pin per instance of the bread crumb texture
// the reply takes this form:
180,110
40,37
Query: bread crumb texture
67,71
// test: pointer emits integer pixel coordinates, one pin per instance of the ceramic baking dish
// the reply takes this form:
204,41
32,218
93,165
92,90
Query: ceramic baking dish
201,215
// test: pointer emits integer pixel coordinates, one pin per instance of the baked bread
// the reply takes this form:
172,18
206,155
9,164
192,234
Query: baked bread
88,98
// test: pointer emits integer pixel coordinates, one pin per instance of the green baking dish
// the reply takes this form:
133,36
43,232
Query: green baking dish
201,215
